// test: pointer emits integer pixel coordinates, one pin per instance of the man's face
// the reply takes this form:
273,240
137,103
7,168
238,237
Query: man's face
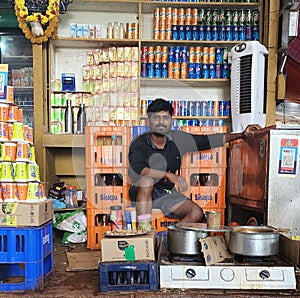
160,122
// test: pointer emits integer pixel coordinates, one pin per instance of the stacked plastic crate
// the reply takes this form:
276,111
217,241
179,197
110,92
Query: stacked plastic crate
106,177
205,172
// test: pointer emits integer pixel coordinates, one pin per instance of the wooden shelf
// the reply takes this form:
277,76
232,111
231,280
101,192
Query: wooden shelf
64,140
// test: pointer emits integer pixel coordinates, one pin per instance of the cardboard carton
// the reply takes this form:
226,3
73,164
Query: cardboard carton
26,214
143,246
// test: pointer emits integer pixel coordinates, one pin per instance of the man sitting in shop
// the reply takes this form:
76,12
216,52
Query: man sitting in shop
155,159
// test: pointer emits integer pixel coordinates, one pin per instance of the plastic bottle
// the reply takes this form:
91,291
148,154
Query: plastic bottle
109,30
81,119
113,140
116,30
69,118
121,31
114,181
101,180
68,197
74,196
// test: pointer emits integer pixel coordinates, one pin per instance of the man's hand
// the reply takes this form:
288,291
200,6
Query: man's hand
249,132
178,180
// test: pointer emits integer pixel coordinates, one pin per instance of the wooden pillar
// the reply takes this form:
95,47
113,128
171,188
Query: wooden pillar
38,98
271,39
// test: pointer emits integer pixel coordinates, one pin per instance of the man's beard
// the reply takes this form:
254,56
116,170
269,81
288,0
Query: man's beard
157,134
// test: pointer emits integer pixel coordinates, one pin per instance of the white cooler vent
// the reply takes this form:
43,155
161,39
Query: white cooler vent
247,85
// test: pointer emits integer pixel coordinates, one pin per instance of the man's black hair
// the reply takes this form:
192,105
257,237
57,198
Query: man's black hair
158,105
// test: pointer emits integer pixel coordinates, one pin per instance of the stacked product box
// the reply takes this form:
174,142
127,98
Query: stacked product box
205,173
106,177
26,254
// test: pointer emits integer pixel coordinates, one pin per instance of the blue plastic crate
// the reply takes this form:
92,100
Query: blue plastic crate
28,276
128,276
26,244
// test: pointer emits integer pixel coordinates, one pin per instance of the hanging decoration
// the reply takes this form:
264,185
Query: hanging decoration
37,21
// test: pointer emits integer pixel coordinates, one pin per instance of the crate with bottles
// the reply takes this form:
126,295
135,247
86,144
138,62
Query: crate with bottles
211,158
106,187
98,223
206,186
215,157
107,146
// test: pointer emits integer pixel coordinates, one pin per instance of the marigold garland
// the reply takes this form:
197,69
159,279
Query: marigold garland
51,30
51,12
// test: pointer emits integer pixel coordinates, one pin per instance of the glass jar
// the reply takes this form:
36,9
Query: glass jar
145,222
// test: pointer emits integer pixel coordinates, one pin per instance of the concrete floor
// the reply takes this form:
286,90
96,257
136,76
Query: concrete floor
85,284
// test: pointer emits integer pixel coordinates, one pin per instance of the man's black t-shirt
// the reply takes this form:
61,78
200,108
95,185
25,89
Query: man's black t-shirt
142,153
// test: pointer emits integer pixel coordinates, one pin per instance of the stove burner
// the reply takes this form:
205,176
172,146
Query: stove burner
259,260
182,259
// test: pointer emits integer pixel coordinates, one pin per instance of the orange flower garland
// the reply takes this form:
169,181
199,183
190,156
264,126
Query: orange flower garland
51,17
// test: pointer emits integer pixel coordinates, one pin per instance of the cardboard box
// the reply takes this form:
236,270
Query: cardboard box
26,214
81,259
144,247
290,249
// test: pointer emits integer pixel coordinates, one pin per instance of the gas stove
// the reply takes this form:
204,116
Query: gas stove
263,273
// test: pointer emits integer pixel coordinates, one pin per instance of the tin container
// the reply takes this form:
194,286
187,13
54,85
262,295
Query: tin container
208,33
191,72
205,57
164,70
150,54
202,32
212,55
191,54
195,32
205,71
188,32
176,70
181,32
219,68
183,70
157,70
213,219
181,16
150,70
198,70
212,71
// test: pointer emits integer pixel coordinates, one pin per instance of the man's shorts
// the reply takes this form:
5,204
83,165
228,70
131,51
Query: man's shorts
161,199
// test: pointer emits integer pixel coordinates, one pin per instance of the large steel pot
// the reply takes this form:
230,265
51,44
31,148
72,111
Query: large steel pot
254,241
183,241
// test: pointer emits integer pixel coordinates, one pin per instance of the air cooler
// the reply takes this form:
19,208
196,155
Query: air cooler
247,85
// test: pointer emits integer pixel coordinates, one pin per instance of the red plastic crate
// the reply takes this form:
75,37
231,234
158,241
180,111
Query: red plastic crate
200,130
94,236
204,176
215,157
95,176
208,196
102,197
161,222
107,156
96,134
